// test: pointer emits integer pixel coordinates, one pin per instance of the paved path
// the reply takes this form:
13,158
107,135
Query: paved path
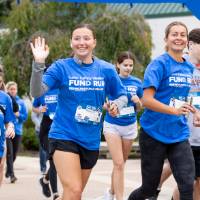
27,187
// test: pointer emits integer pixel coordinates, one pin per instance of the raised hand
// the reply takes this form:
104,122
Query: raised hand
40,50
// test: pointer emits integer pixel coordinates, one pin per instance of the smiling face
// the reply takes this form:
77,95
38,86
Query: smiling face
125,67
177,39
83,43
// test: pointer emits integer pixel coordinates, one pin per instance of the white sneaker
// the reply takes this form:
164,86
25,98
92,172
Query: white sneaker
108,195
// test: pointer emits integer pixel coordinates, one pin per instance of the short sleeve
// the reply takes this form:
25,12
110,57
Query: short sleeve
53,77
153,75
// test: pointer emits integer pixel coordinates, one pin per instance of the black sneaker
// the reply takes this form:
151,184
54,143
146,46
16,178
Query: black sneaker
55,197
7,175
13,179
45,188
155,197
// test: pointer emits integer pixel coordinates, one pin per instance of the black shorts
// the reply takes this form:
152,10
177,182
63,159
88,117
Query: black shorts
196,154
88,158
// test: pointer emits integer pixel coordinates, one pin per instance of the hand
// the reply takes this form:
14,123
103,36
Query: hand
10,132
185,109
196,119
40,50
43,109
135,99
106,105
16,114
113,109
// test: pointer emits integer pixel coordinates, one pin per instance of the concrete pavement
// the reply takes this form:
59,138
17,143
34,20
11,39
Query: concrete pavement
27,186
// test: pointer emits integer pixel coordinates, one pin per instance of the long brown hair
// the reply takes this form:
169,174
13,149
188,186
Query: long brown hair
123,56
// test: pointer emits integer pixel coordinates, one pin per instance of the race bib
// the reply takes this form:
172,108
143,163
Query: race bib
176,103
126,112
88,115
196,101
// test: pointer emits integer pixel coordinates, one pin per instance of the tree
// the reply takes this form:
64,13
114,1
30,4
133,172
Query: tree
117,32
5,7
54,21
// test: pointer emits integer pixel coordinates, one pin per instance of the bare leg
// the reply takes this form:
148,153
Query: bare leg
70,174
126,145
85,176
176,195
118,162
197,189
1,169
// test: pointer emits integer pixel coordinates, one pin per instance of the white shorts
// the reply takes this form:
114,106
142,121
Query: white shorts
129,132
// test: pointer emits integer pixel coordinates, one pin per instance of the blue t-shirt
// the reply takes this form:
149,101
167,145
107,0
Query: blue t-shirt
171,80
2,134
6,117
49,99
23,115
133,86
82,92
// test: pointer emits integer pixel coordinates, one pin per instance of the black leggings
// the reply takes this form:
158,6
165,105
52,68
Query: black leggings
52,176
44,142
12,149
153,154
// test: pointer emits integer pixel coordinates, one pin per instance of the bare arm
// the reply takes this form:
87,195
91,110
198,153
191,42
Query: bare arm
151,103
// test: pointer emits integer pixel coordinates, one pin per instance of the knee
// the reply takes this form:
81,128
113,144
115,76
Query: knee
197,182
74,190
119,165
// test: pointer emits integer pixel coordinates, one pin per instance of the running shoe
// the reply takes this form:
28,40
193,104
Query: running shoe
45,188
7,175
108,195
155,197
13,179
56,197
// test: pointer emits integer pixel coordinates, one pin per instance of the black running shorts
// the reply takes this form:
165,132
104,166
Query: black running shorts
88,158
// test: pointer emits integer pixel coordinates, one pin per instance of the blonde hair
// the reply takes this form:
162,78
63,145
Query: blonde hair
10,84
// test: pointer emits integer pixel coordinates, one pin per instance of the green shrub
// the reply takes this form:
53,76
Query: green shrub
30,140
